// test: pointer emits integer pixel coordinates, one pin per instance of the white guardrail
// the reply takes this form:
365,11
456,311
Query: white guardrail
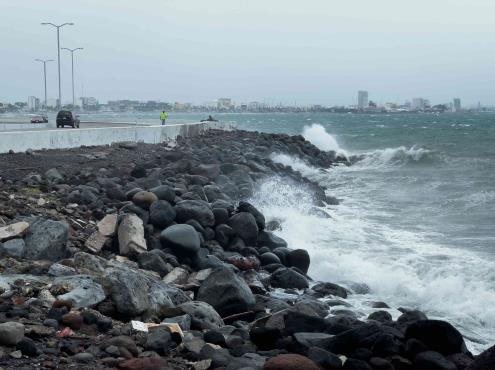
20,141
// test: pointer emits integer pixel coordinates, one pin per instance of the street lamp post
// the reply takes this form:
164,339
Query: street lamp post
44,61
72,56
58,56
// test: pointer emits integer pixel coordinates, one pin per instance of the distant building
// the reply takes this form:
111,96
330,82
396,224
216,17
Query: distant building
420,104
33,103
88,102
224,103
363,99
457,104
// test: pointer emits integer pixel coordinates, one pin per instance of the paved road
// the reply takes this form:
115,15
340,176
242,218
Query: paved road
23,126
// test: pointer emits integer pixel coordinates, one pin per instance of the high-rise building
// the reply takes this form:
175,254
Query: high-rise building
224,103
457,104
362,99
420,103
33,103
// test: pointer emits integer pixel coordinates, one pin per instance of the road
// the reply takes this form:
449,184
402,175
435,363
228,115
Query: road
23,126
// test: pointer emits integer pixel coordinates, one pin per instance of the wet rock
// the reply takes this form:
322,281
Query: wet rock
290,362
270,240
203,315
288,278
27,347
226,292
268,258
144,199
181,238
213,193
221,215
380,316
326,289
484,361
131,235
299,258
159,340
431,360
47,239
411,316
196,210
162,214
439,336
220,357
11,333
244,224
307,340
378,363
258,216
214,337
164,192
354,364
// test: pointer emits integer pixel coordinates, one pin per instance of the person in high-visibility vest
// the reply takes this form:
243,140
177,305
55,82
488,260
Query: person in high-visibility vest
163,117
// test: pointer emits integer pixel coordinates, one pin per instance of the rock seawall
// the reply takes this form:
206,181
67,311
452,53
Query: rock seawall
140,256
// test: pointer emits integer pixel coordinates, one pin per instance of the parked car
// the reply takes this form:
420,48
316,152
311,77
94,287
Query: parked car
67,118
39,119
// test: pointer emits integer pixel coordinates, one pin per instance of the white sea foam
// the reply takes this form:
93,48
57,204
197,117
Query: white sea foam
394,156
317,135
401,267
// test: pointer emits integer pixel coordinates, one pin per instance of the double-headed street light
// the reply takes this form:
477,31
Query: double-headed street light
72,56
44,61
58,55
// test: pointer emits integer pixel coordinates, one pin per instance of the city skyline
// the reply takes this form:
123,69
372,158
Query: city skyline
169,52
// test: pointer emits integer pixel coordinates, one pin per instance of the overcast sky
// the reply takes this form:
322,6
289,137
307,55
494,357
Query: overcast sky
314,51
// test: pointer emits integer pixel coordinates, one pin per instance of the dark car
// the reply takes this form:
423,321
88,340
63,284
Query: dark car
39,119
67,118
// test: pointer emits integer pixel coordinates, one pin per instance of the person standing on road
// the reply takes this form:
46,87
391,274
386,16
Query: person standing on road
163,117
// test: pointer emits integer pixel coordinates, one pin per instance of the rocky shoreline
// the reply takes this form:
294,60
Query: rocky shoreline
139,256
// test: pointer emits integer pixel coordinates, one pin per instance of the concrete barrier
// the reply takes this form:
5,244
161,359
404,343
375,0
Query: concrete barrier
20,141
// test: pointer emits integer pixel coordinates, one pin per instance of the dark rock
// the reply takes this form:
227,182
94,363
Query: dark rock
299,258
307,340
213,193
411,316
244,224
324,359
439,336
223,233
296,322
378,363
143,214
164,192
387,345
413,347
184,321
462,361
353,364
431,360
270,240
73,320
290,362
47,239
219,357
162,214
13,247
221,215
159,340
326,289
83,357
11,333
214,337
288,278
380,316
265,338
144,363
268,258
154,262
182,239
27,347
258,216
195,209
226,292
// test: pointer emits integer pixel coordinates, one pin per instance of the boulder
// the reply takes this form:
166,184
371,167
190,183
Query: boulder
196,210
288,278
380,316
211,171
159,340
290,362
355,364
226,292
244,224
268,258
484,361
439,336
431,360
11,333
326,289
265,338
53,176
13,247
299,258
213,193
107,226
46,240
324,359
85,292
164,192
153,262
270,240
144,199
131,235
203,315
258,216
182,239
162,214
307,340
13,230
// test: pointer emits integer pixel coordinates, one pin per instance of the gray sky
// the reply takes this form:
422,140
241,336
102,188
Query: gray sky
314,51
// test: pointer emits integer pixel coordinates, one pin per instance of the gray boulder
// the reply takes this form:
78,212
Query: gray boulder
203,315
11,333
214,193
181,238
131,235
299,258
85,291
244,224
248,207
47,239
195,209
270,240
13,247
153,262
164,192
226,292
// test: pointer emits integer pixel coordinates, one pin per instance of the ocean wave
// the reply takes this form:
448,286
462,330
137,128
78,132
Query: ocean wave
320,138
393,156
